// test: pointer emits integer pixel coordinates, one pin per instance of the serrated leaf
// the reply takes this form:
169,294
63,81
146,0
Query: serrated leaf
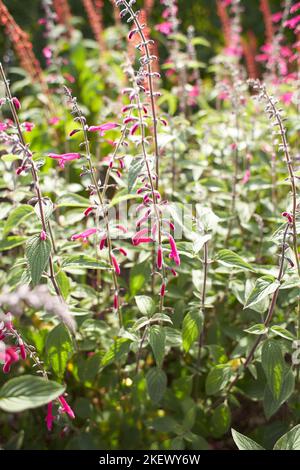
290,440
28,391
157,339
84,261
221,420
12,242
278,330
136,167
59,349
229,258
156,383
145,304
16,216
274,366
263,287
47,209
271,405
244,442
217,379
191,328
258,329
117,350
37,255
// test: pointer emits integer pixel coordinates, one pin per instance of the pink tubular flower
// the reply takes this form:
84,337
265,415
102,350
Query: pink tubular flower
3,126
11,356
22,349
174,252
246,177
102,242
276,17
134,128
116,301
66,407
163,289
287,98
16,103
115,264
123,251
295,7
49,418
122,228
47,52
28,126
84,235
141,240
165,28
43,235
159,259
64,157
292,23
140,234
88,211
54,120
288,216
103,127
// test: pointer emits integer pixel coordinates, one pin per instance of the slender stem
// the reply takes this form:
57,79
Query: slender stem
28,157
203,297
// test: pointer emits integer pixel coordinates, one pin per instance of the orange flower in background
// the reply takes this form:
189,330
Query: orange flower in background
63,13
22,45
223,15
94,13
267,14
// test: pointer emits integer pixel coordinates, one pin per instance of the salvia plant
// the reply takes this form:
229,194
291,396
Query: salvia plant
149,232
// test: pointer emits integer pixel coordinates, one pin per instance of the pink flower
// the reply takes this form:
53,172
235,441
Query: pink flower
28,126
69,77
22,349
102,242
292,23
54,120
287,98
47,52
64,157
49,418
115,264
163,289
123,251
66,407
16,103
116,301
139,235
3,126
276,17
295,7
142,240
43,235
103,127
159,259
165,28
88,211
288,216
246,177
174,252
134,129
84,235
11,356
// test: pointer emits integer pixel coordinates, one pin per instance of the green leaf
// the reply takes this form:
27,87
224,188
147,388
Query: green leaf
47,209
37,254
290,440
229,258
63,283
10,157
117,350
28,391
11,242
274,366
156,383
258,329
271,404
84,262
221,420
278,330
218,378
191,328
72,200
59,349
16,216
263,287
145,304
244,442
158,343
136,167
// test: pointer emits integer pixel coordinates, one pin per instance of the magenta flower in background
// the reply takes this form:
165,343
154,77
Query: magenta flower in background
165,28
28,126
174,252
295,7
11,356
84,235
64,157
287,98
65,407
49,418
16,103
102,128
54,120
293,22
3,126
47,52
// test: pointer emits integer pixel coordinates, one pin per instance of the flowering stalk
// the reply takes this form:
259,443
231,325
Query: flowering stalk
95,19
27,160
106,238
